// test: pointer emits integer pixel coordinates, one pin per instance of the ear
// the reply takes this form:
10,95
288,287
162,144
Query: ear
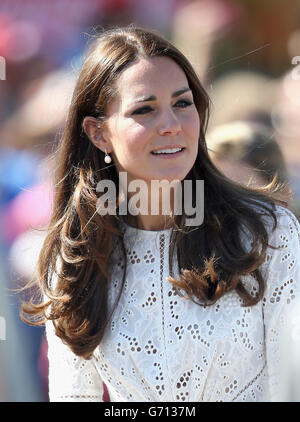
94,130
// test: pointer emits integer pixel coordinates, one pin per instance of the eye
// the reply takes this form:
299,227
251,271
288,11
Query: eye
183,103
143,110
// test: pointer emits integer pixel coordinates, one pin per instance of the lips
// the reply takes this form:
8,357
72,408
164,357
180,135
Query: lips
168,150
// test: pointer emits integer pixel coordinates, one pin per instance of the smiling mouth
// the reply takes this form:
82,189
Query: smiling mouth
168,151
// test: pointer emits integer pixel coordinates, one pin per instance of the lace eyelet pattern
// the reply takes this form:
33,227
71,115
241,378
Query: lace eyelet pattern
162,347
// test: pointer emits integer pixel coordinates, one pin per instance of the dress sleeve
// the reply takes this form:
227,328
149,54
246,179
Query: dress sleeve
282,275
71,378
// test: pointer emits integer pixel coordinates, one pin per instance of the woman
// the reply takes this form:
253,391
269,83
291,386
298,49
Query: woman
157,309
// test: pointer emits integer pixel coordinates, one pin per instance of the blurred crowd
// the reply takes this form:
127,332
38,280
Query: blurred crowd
247,54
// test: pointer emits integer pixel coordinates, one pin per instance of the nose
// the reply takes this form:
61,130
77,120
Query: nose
169,124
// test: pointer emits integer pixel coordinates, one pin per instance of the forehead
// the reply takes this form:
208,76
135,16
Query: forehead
150,76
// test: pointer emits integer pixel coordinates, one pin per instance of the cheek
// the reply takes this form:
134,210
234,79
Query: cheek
134,137
192,126
130,143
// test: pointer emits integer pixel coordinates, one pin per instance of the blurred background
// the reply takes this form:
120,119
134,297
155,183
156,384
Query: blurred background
247,54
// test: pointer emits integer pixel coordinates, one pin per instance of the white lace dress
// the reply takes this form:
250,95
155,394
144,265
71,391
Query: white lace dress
162,347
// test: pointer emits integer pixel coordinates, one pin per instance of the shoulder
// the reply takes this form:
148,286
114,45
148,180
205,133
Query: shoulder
284,225
283,235
286,232
281,267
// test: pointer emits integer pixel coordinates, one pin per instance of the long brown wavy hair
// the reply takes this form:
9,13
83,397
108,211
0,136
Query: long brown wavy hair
79,242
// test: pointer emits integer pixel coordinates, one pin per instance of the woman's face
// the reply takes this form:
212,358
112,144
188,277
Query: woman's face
153,111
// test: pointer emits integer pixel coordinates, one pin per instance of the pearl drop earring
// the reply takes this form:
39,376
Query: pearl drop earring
107,158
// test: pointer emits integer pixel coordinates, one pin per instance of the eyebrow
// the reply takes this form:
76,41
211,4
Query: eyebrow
153,97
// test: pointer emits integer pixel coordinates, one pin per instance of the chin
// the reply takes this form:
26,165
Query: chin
178,175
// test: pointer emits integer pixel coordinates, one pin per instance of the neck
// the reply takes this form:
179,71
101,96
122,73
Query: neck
149,222
152,208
